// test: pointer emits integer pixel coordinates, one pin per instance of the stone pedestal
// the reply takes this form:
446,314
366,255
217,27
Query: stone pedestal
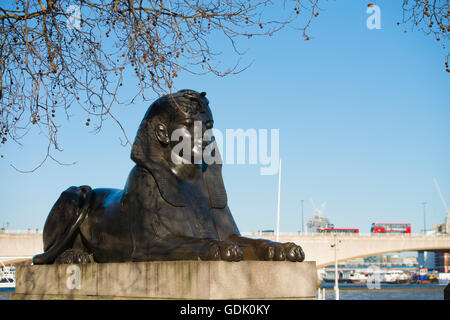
169,280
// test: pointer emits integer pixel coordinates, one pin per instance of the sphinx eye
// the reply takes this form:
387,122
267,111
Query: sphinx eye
188,122
209,124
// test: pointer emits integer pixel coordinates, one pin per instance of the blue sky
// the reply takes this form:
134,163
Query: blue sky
363,118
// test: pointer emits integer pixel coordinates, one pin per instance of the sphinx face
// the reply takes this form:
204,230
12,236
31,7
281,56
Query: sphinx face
189,136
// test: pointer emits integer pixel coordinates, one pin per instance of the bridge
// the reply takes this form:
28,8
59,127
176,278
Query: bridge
16,247
318,247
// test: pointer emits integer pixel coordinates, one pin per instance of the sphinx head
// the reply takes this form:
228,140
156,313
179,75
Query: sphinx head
175,130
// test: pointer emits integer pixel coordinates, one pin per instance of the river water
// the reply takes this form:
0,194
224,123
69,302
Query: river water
405,292
399,292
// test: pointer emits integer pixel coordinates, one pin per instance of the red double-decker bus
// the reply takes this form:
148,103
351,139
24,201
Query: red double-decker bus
389,228
338,230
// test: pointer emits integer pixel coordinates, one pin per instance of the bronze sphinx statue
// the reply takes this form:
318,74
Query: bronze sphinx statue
168,210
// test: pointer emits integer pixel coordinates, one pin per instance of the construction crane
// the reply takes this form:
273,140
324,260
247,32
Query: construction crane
447,211
317,211
318,221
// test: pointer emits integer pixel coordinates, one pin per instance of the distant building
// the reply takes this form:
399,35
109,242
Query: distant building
440,228
410,261
355,262
317,222
373,260
426,259
385,259
441,261
395,259
391,260
447,224
435,260
443,228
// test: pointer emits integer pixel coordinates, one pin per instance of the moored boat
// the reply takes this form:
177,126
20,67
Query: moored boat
424,277
395,276
7,277
357,277
444,278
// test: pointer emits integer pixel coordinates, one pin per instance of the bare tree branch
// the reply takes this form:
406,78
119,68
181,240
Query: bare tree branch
431,17
61,54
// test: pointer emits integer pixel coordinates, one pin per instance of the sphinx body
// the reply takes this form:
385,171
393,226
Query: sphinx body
167,210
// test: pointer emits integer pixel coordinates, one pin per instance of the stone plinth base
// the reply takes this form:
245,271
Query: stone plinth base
169,280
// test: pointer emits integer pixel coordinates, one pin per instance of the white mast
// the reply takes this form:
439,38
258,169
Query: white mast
447,211
279,195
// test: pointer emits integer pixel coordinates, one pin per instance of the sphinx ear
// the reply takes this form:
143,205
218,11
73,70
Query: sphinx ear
162,134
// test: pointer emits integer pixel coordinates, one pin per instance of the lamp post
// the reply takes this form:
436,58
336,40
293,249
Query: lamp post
278,209
336,282
424,218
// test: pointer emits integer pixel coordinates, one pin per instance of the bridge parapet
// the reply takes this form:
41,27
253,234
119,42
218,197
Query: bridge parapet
14,245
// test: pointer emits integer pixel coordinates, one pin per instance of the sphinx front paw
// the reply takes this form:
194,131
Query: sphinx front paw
293,252
277,251
74,256
221,250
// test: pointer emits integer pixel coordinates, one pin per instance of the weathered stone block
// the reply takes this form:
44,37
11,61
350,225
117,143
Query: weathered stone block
169,280
122,279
